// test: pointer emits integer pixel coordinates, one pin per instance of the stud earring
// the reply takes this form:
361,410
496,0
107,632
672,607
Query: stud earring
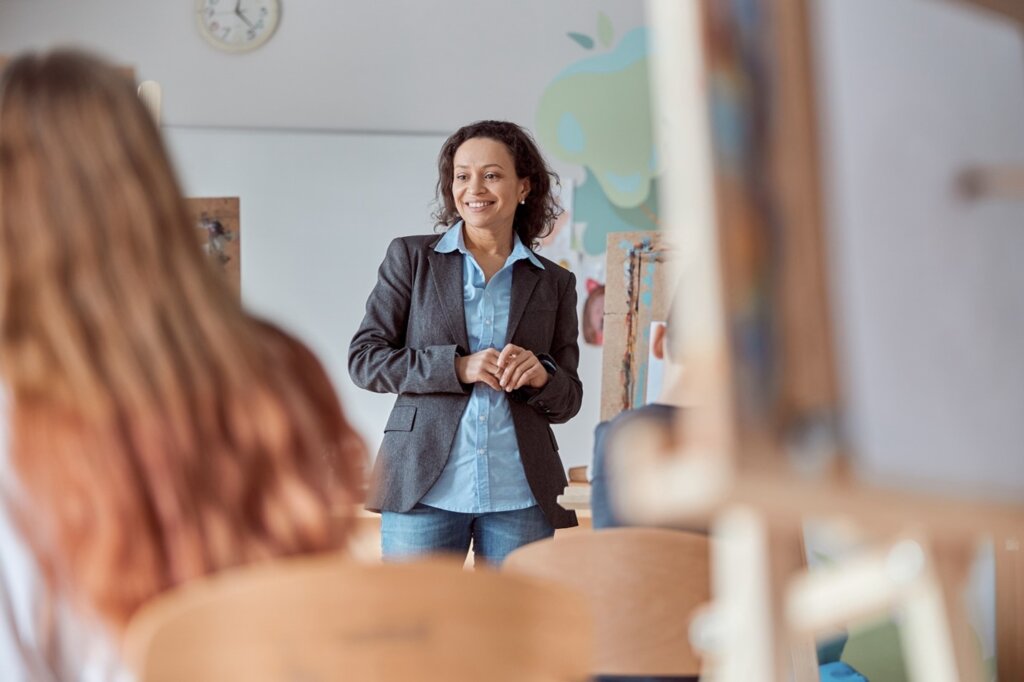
522,202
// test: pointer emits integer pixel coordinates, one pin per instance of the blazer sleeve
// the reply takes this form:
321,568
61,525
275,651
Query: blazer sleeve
378,358
559,400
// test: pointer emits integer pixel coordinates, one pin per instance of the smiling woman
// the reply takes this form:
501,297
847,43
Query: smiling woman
468,454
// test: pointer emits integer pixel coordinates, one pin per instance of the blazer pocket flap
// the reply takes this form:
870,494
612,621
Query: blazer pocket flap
401,419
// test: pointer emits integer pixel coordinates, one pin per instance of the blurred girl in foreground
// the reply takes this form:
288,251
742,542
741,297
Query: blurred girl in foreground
154,432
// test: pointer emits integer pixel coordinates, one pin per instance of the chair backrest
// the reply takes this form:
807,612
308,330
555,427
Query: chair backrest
328,618
642,583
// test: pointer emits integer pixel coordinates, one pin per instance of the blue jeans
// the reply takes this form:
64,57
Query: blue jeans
428,530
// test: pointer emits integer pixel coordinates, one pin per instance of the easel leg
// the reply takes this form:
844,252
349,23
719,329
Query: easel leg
1010,608
796,654
952,568
740,597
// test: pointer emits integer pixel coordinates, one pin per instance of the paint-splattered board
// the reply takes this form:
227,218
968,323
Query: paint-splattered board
635,296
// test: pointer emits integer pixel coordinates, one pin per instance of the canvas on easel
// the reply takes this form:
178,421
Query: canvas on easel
635,296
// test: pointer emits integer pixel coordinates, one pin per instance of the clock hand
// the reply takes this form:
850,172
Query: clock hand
238,13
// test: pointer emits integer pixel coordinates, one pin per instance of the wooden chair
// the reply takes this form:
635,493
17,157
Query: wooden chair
642,583
326,618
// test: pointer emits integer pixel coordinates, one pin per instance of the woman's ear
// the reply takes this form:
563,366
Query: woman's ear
658,340
525,189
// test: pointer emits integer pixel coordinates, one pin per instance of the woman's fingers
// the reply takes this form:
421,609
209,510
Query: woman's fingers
524,377
512,377
508,370
491,379
509,354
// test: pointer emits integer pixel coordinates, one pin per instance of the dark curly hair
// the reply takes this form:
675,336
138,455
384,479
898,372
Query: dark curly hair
533,220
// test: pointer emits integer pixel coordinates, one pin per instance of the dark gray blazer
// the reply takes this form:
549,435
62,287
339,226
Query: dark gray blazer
415,326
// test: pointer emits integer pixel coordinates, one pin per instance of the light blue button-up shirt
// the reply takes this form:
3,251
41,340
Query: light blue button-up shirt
484,472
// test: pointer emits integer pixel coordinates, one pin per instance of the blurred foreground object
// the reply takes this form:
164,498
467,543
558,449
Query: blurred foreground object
643,585
327,618
851,329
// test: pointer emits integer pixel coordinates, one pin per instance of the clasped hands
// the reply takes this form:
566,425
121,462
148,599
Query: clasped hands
507,370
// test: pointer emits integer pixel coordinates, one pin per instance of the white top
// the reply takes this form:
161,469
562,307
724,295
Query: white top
77,651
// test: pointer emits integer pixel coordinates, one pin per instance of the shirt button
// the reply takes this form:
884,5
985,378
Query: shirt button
487,322
481,450
483,418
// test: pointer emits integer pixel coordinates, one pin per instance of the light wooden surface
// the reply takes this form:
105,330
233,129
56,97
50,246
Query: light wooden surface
329,618
576,496
642,584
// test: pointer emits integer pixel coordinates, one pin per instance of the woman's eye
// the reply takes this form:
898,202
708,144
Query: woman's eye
490,176
460,178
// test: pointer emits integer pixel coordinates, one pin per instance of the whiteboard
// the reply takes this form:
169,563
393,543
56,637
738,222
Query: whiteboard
928,289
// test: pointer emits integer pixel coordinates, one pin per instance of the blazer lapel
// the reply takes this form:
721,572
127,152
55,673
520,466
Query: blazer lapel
524,279
446,272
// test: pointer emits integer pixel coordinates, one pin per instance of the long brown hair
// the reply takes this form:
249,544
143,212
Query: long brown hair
158,432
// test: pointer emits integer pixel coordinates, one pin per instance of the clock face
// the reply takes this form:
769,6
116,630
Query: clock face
237,25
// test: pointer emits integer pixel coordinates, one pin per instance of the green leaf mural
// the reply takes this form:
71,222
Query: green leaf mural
596,113
586,42
591,206
604,30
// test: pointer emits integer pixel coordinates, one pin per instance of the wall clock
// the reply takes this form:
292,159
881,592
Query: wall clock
237,25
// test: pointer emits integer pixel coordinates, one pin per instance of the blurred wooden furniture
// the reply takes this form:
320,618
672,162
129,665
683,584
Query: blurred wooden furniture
642,584
325,618
752,158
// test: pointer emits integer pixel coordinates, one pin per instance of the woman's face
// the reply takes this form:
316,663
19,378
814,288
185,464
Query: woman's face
485,186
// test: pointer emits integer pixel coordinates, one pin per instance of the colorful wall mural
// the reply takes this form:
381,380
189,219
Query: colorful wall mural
596,114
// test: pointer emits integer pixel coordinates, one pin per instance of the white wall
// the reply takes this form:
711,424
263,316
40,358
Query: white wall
356,65
317,213
329,133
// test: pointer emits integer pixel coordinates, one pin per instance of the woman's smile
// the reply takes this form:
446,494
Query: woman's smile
485,186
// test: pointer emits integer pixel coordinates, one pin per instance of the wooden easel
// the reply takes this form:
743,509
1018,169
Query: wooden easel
766,442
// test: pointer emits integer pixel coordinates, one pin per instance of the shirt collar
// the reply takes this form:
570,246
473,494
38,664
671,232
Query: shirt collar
454,241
